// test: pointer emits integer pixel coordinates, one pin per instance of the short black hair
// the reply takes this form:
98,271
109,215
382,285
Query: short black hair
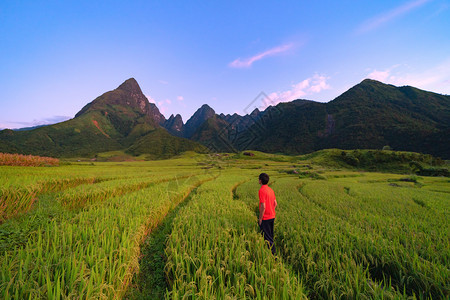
264,178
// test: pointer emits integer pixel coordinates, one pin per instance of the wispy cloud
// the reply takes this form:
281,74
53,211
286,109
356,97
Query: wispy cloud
382,76
150,99
163,105
163,82
443,7
246,63
435,79
307,87
386,17
379,75
35,122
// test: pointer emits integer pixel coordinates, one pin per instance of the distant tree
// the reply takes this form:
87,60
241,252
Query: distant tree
415,167
349,158
387,147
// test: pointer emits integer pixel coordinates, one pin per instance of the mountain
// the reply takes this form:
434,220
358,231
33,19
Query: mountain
175,125
370,115
160,144
125,107
198,118
373,114
214,133
29,128
235,133
221,133
241,123
121,119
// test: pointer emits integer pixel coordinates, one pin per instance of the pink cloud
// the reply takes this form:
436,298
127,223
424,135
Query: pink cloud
162,107
435,78
309,86
380,20
180,98
150,99
379,75
246,63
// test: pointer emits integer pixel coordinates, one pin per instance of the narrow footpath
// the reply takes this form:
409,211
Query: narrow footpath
150,282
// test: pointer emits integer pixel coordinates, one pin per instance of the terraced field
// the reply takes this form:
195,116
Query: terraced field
187,228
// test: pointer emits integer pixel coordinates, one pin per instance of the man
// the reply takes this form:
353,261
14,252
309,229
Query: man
267,205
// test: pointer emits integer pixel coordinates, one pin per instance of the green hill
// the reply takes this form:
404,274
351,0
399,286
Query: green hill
161,144
373,114
379,160
370,115
82,136
116,120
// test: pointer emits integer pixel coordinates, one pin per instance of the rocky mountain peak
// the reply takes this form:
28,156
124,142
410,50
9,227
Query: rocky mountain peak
131,86
128,100
178,118
255,112
175,125
198,118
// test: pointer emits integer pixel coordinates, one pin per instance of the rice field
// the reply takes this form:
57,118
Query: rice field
7,159
187,228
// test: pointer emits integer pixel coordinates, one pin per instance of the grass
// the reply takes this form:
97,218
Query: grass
102,237
186,227
150,282
7,159
215,250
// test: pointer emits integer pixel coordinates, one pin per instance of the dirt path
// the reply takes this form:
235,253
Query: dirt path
150,282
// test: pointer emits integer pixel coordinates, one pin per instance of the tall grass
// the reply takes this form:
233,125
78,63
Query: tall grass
215,251
90,254
19,198
351,236
7,159
355,246
87,194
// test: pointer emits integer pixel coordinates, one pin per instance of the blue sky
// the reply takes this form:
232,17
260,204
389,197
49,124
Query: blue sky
56,56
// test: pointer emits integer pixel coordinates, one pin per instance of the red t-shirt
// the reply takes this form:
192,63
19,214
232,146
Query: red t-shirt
267,196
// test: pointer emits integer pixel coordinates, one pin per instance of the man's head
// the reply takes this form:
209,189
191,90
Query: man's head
263,178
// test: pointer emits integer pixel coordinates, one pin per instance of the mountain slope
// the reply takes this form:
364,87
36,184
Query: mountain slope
214,134
373,114
160,144
198,118
175,125
83,136
293,127
368,116
125,107
115,120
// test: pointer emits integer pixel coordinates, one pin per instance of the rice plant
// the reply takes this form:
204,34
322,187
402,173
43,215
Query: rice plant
76,231
215,251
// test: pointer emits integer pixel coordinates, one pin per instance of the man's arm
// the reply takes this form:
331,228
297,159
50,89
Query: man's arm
275,204
262,209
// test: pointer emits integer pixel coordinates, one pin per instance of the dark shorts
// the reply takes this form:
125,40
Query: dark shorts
267,232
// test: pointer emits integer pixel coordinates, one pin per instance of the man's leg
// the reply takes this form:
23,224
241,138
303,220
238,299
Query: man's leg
272,245
267,232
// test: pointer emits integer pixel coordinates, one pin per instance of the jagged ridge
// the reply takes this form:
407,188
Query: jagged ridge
369,115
